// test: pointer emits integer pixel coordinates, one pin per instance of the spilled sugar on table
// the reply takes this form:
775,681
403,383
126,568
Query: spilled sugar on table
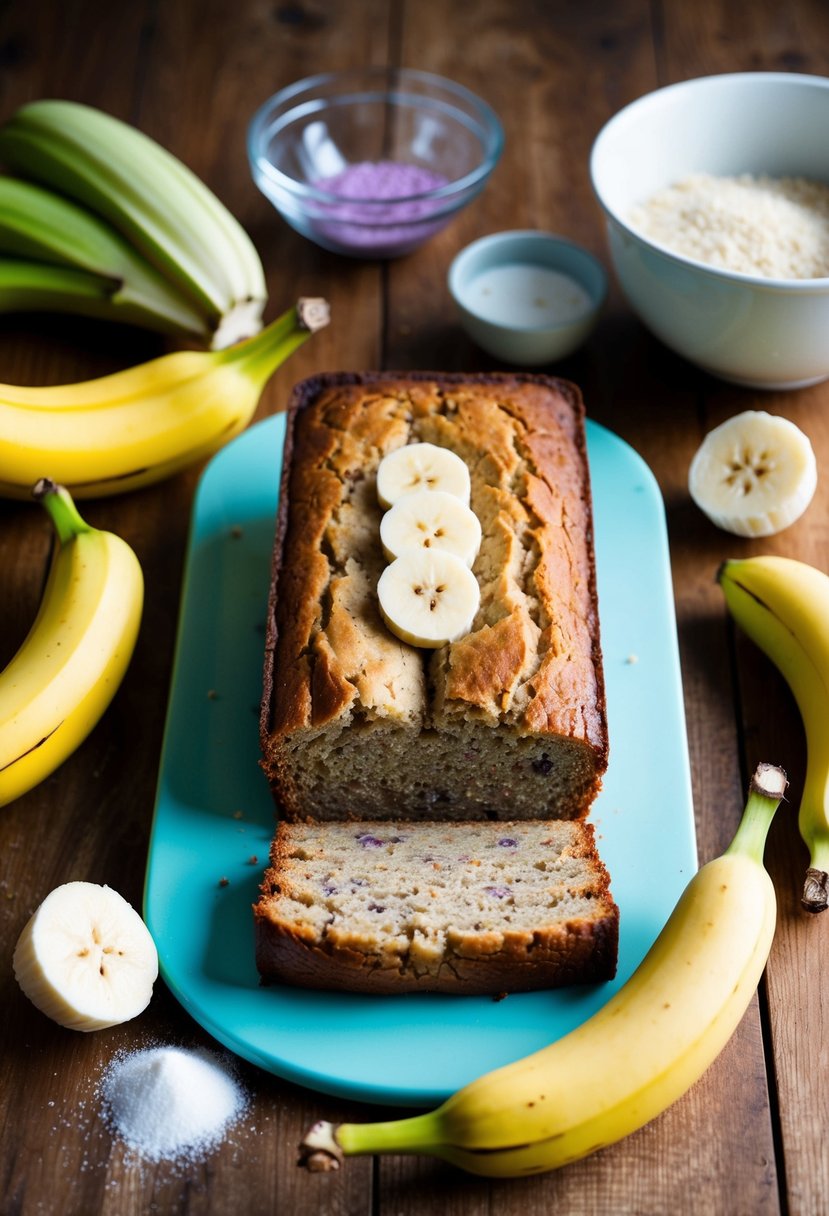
748,1138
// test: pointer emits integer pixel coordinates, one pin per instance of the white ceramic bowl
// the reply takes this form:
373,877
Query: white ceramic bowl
767,333
514,296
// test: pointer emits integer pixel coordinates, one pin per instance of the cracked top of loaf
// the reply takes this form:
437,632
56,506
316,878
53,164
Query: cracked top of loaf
532,661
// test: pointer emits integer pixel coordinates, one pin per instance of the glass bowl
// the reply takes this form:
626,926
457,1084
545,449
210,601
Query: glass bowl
372,163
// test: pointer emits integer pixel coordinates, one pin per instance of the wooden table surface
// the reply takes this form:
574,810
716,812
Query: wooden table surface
749,1138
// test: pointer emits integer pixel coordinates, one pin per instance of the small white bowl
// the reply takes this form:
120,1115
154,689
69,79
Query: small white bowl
527,297
762,332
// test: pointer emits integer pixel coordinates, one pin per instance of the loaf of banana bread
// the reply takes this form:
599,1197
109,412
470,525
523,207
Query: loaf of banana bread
436,907
508,721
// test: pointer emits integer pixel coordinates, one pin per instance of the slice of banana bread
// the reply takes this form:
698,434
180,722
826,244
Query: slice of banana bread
436,907
507,721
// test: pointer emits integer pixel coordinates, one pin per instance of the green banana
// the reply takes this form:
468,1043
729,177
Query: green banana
35,286
63,677
138,426
63,258
631,1060
783,606
162,209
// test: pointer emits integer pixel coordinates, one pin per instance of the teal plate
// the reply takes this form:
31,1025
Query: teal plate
214,817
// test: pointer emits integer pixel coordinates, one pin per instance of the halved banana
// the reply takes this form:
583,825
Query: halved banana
754,474
421,466
431,519
86,959
428,597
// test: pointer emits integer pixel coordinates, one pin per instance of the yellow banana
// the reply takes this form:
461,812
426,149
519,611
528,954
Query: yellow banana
137,426
633,1058
783,606
70,665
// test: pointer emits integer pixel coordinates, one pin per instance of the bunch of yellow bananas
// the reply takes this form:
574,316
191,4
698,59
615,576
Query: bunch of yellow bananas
103,221
103,437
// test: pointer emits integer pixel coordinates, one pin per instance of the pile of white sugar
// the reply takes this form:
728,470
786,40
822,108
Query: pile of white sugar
169,1102
776,228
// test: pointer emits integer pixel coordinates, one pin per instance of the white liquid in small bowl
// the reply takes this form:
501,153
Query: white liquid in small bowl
524,296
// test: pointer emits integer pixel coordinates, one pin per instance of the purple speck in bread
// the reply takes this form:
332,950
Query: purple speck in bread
544,765
498,892
376,908
369,842
508,842
329,889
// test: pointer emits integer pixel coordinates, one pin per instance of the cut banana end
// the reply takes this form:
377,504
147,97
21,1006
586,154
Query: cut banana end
754,475
428,597
86,959
421,466
242,321
431,519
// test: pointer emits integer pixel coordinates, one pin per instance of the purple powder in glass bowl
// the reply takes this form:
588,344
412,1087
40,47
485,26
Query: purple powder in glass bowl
382,204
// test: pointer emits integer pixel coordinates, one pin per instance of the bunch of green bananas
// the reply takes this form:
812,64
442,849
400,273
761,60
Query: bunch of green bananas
633,1058
99,219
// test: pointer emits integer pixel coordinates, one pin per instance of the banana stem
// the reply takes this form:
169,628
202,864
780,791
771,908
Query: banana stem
765,792
262,354
412,1135
325,1145
62,510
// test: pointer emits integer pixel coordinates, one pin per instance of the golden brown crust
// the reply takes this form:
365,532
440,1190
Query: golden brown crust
532,662
558,958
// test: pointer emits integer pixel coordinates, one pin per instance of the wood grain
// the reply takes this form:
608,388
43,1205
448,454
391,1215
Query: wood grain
749,1137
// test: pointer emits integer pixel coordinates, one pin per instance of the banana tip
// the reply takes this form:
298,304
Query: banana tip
721,569
42,487
313,312
815,896
319,1151
769,780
